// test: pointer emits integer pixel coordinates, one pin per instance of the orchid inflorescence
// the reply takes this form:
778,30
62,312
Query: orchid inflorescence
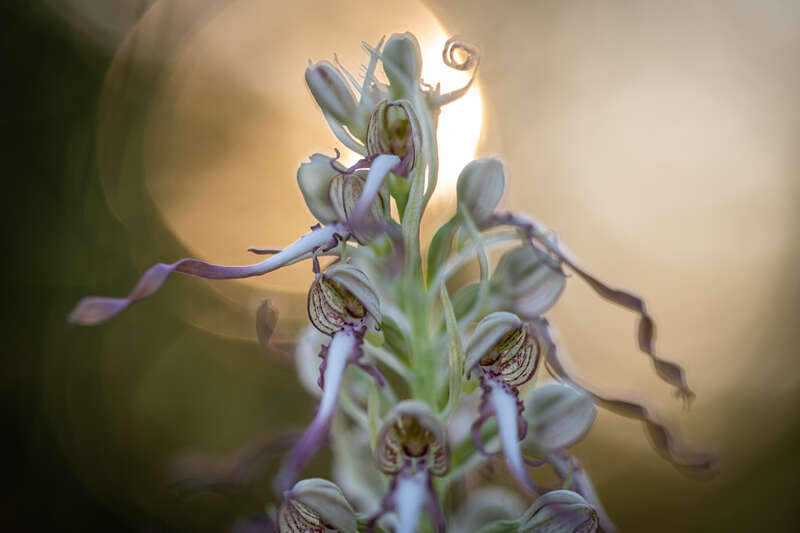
379,307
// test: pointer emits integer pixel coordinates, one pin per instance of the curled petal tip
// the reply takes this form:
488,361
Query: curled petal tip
94,310
459,55
457,45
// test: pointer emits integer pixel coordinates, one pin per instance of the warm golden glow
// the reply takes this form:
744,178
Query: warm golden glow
657,139
232,120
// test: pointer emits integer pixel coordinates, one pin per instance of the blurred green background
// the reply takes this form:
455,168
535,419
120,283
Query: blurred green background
659,139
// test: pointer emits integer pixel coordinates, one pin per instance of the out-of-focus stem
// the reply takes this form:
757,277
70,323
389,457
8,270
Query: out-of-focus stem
423,362
464,257
483,261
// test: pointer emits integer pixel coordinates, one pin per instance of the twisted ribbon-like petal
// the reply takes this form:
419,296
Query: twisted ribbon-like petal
670,372
665,441
339,353
94,310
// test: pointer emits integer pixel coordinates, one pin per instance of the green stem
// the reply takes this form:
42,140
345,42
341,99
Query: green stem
423,361
426,163
483,261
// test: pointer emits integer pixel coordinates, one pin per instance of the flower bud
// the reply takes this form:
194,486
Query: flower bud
502,344
559,511
343,297
314,178
527,282
402,60
316,505
480,188
331,92
412,433
558,416
393,129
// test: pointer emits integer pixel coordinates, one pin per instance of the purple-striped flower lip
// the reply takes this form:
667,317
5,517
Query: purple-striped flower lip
412,437
412,448
503,345
343,297
341,303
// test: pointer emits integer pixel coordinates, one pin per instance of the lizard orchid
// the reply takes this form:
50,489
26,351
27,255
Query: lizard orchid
409,350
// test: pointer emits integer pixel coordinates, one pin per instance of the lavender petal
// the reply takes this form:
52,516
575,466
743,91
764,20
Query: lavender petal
338,355
409,497
381,166
504,405
95,310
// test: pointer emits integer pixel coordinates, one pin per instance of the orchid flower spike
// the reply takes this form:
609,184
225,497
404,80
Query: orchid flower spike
376,303
411,449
